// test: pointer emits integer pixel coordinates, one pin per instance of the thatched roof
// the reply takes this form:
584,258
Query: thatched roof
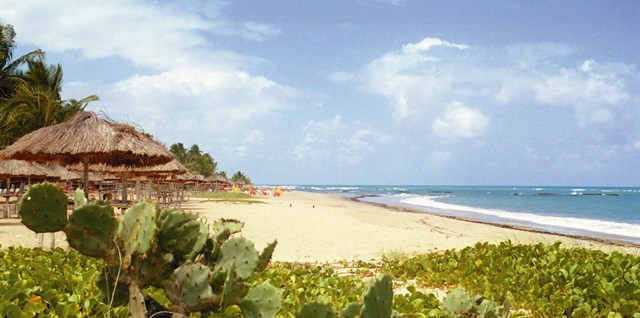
58,171
87,136
20,168
173,167
217,178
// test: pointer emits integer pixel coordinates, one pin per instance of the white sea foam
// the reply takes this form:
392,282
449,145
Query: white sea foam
591,225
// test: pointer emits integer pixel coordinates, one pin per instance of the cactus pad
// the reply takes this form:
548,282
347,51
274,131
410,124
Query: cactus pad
139,228
316,310
154,268
91,229
178,233
201,242
188,287
227,290
263,301
377,301
457,301
234,226
44,208
265,256
239,253
352,310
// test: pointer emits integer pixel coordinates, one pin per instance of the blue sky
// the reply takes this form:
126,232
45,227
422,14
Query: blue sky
363,91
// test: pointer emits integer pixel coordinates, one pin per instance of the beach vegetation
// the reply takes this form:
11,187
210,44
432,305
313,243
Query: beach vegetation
542,280
228,197
200,268
240,177
194,159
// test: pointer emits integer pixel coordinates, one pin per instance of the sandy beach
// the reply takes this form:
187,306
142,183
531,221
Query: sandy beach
312,227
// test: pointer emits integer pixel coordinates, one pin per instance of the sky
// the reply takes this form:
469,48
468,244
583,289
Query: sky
394,92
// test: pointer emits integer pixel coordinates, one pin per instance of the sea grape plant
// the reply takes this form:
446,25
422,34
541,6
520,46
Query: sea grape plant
198,269
376,304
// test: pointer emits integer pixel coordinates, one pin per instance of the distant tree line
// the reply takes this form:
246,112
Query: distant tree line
203,163
30,91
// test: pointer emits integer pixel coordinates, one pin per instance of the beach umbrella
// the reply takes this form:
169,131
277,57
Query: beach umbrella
88,139
22,169
171,168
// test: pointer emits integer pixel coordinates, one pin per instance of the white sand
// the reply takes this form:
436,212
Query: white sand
313,227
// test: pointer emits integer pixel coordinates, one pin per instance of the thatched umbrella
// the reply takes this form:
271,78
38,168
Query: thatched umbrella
89,139
173,167
20,168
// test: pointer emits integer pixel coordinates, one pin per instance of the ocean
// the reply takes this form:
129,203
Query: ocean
601,212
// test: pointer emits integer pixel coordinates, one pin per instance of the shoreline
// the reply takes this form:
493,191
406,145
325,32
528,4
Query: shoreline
329,228
500,225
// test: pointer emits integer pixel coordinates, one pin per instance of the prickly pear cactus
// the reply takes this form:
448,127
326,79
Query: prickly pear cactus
154,268
239,253
44,208
188,287
263,301
377,301
486,308
457,302
201,242
352,310
265,256
139,228
106,285
227,288
316,310
91,230
179,232
234,226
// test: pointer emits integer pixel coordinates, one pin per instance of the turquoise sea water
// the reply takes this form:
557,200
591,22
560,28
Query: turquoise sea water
603,212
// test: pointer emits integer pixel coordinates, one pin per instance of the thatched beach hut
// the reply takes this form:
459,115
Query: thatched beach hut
89,139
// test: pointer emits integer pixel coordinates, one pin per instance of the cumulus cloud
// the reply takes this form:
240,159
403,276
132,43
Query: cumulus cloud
423,78
460,122
220,103
592,94
333,139
150,34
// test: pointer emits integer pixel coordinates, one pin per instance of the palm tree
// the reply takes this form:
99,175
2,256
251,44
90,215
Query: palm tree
40,74
34,107
179,151
240,177
9,67
30,99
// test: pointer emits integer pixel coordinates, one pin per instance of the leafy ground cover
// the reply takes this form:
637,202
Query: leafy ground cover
539,280
230,197
545,280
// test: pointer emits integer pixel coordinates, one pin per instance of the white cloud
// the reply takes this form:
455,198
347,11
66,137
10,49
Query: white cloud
438,160
423,78
219,104
332,139
161,35
593,95
258,31
428,43
187,86
460,122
